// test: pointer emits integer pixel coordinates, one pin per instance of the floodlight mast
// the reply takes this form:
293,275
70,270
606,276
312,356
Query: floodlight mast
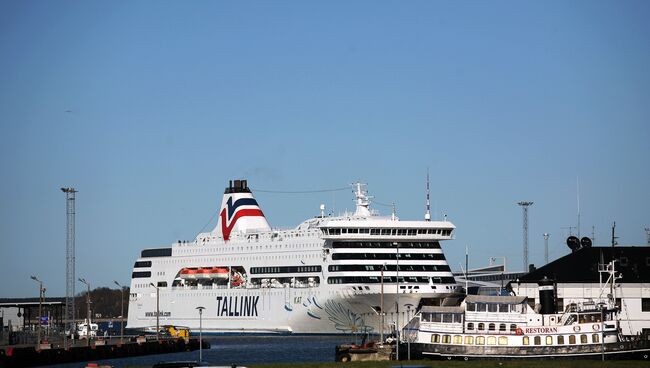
69,316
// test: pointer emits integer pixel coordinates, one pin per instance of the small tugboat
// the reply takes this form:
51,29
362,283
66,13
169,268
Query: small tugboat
507,327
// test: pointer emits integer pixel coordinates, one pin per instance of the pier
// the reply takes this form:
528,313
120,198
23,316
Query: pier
82,351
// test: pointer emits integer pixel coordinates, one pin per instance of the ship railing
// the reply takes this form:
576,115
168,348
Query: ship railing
439,327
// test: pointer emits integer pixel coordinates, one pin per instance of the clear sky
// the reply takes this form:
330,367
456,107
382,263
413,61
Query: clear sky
148,108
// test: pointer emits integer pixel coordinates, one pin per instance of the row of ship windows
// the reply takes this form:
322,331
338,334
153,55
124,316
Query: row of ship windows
398,232
286,269
389,268
302,256
376,280
352,279
390,256
167,252
367,244
503,340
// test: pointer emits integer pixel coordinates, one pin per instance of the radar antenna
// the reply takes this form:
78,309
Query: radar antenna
427,215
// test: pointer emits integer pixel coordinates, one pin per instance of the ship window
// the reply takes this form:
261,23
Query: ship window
513,328
645,304
583,339
162,283
492,307
141,274
481,326
502,327
471,307
435,338
470,326
549,340
560,340
503,340
491,340
447,318
140,264
469,340
594,338
446,339
491,327
526,340
572,339
480,340
503,308
537,340
458,339
374,231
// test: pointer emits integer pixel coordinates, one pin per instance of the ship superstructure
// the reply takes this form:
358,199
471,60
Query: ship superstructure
324,276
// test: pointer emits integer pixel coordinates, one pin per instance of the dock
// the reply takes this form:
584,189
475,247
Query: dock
31,355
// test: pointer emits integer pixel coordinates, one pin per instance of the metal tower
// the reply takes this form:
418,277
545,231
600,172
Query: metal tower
546,248
524,205
69,316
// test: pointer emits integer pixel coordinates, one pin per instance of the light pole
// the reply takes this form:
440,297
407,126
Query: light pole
157,310
397,330
82,280
122,311
200,309
41,290
381,304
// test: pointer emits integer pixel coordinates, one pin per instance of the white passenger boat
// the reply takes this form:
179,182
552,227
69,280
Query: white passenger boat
324,276
507,327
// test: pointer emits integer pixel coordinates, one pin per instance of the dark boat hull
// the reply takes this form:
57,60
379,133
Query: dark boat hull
627,350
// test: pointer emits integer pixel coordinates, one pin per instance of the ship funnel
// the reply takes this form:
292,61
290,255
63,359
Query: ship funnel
239,211
547,295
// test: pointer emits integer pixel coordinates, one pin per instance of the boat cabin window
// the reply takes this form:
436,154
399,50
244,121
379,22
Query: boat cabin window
435,338
491,327
492,307
526,340
513,328
481,326
458,339
549,340
470,326
594,338
503,340
560,340
469,340
502,327
583,339
447,318
480,340
491,340
446,339
572,339
537,340
471,307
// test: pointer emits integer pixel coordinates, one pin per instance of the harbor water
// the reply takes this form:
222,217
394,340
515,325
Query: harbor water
244,350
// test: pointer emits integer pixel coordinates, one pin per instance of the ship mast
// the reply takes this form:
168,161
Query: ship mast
427,215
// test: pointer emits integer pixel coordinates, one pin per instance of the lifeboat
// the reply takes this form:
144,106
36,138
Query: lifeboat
188,273
203,273
219,273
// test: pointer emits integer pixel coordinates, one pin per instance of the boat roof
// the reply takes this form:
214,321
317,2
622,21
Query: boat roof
438,309
493,299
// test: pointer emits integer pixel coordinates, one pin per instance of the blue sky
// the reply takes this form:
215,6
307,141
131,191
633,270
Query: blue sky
149,108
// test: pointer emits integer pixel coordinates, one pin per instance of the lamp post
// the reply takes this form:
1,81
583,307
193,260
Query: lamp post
397,307
200,309
121,312
157,310
88,329
41,290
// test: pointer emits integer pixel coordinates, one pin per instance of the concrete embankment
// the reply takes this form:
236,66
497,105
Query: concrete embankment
29,356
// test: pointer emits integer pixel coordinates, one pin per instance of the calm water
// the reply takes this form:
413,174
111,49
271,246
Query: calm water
244,350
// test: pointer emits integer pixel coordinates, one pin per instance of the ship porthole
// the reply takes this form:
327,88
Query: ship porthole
448,358
465,358
645,356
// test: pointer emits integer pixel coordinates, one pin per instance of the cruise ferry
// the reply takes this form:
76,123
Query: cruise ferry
354,273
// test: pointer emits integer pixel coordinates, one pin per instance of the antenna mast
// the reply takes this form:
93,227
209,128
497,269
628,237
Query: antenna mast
524,205
69,316
427,215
